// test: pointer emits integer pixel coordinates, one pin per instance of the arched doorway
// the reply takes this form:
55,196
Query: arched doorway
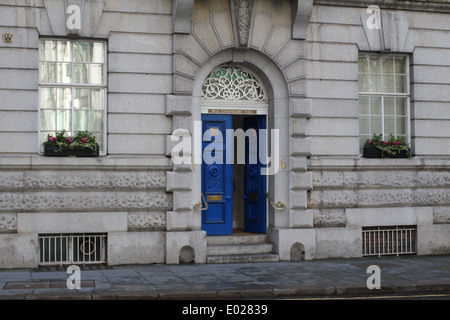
234,109
189,111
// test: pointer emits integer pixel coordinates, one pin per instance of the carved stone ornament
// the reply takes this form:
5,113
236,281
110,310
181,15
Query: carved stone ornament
242,11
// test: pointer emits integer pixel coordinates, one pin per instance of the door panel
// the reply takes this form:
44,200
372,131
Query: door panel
254,182
217,176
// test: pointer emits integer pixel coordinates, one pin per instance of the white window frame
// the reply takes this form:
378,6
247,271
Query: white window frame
406,95
73,86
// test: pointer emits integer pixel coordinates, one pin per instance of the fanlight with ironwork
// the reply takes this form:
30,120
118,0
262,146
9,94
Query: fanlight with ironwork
232,83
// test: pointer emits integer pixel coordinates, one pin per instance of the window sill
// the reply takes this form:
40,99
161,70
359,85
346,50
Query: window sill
113,162
361,163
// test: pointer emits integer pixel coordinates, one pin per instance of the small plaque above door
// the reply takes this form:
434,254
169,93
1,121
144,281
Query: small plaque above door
232,111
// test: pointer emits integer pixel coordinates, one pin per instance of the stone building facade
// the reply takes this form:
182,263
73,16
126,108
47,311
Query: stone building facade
154,56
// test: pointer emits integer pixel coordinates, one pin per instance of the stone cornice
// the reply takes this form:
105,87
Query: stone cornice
413,5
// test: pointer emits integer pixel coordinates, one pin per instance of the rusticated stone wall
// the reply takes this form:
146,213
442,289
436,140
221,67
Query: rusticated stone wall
342,189
81,180
8,222
140,193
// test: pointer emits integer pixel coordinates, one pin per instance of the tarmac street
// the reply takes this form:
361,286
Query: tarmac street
339,278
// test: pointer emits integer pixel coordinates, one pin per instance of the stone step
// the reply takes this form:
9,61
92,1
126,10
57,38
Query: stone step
239,248
232,239
243,258
234,249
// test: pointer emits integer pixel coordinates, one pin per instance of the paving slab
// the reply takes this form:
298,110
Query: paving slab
27,285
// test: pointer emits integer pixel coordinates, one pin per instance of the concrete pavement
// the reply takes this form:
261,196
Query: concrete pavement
322,278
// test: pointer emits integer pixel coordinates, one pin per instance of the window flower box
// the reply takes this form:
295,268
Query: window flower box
372,152
393,148
81,145
399,154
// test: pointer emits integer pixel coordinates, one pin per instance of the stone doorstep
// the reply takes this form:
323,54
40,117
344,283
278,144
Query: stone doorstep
45,284
240,247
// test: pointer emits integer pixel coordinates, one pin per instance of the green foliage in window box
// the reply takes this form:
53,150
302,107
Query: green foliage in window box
83,144
395,147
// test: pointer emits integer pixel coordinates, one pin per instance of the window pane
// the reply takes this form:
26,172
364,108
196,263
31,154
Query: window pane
400,108
64,51
81,51
64,98
80,73
64,120
389,127
389,106
363,82
363,64
48,119
97,52
96,121
374,83
48,72
388,65
374,65
96,74
400,82
80,122
375,125
400,126
48,50
400,65
97,99
375,105
388,83
64,73
364,105
81,99
48,97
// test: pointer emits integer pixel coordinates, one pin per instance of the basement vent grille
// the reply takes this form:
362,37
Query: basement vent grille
392,240
76,248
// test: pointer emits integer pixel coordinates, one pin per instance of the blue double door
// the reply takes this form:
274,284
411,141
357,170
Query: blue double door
217,175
